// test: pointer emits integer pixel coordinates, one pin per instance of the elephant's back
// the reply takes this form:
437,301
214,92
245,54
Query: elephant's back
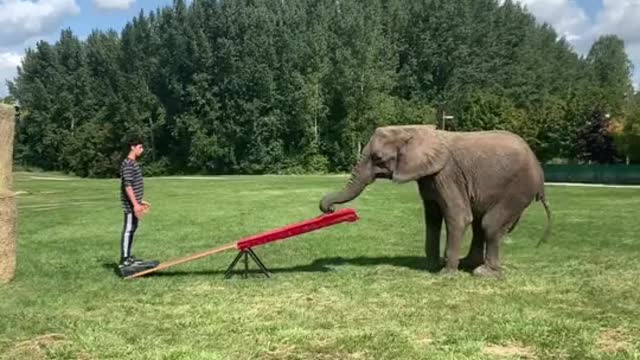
494,161
491,146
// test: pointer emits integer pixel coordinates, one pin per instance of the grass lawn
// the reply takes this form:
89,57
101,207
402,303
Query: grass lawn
351,291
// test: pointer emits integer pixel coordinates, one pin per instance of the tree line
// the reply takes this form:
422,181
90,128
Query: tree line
276,86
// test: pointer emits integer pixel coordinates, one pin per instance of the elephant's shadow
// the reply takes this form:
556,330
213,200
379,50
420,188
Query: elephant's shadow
319,265
325,264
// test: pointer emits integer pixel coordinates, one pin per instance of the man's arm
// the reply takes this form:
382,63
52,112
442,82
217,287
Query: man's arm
127,176
132,197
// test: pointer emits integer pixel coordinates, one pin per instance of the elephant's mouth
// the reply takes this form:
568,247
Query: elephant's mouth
383,173
382,169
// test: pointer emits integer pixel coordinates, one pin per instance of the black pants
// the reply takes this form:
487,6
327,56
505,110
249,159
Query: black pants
128,230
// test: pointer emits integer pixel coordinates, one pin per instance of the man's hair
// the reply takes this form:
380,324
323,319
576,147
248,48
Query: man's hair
134,141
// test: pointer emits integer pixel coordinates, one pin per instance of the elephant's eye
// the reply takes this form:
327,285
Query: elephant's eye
376,159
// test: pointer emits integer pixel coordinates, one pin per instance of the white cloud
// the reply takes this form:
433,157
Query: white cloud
9,62
618,17
23,19
113,4
568,19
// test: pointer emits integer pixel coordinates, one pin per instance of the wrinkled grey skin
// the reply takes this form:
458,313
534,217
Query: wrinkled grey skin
485,179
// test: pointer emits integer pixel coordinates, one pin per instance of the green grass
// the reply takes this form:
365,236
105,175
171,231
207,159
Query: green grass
351,291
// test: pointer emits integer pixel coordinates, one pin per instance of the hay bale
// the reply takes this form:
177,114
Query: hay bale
8,213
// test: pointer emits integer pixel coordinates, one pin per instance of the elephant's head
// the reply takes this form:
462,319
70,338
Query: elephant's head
399,153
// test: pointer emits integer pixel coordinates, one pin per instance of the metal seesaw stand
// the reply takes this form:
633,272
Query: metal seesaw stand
245,245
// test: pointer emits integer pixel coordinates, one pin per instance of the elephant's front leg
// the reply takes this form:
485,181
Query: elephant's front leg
456,226
433,222
475,257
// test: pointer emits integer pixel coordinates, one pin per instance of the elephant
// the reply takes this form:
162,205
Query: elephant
484,178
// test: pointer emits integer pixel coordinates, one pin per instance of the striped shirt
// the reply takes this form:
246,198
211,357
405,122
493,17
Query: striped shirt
130,175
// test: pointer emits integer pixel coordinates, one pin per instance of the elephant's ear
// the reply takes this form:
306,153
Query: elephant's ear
421,152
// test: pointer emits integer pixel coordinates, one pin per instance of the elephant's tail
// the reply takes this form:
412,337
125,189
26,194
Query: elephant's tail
547,231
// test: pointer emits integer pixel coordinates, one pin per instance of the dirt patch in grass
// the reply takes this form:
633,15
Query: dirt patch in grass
281,352
287,352
424,341
35,348
613,341
517,351
53,178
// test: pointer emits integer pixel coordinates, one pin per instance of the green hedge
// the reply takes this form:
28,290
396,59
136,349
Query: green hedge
600,174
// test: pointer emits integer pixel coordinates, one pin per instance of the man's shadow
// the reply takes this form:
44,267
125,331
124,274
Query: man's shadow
320,265
113,266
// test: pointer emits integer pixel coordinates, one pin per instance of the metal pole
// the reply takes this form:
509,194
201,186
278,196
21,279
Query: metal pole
444,116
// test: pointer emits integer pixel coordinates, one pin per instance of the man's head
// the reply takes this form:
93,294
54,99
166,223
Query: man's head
136,146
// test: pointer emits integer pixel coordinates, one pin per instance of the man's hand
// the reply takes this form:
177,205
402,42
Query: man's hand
138,210
142,208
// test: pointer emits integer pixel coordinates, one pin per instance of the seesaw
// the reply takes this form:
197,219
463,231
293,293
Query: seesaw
245,245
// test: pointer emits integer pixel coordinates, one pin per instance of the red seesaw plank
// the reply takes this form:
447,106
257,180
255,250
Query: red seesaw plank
298,228
343,215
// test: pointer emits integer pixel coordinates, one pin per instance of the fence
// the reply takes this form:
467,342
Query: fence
600,174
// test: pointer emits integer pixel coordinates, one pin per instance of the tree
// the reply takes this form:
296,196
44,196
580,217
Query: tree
279,86
595,143
9,99
612,70
626,132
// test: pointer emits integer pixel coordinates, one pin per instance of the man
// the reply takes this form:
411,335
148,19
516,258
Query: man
131,196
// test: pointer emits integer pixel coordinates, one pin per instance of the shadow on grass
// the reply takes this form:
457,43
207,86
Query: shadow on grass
321,265
111,266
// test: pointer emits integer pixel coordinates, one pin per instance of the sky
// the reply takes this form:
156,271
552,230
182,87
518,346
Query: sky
25,22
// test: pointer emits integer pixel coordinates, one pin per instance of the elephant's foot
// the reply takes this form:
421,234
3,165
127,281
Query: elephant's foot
448,272
434,265
469,263
487,272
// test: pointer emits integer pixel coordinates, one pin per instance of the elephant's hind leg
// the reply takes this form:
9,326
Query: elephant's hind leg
495,224
475,257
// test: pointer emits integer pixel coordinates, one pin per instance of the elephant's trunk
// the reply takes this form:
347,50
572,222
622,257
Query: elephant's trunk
361,176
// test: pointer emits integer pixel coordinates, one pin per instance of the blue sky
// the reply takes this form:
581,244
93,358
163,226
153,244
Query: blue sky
24,22
93,16
591,7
